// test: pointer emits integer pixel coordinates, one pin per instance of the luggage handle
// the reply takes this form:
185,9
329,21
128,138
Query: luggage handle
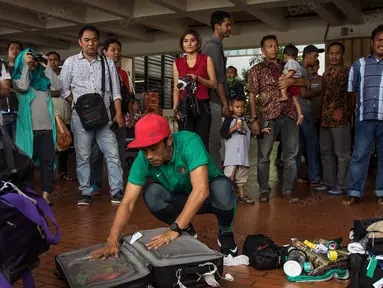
20,204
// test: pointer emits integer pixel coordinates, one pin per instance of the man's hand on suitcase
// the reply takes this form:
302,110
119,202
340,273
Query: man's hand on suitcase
160,240
110,248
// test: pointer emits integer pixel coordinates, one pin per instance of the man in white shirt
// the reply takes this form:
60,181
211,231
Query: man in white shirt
80,75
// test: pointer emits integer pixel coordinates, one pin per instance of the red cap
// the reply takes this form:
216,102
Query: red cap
150,130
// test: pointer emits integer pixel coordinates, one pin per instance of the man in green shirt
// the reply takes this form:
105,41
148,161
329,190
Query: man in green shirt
186,183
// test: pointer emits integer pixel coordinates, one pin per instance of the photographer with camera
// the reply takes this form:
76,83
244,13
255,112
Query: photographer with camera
33,81
200,69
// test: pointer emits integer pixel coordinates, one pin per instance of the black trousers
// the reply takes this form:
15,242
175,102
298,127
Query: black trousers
44,149
166,205
202,123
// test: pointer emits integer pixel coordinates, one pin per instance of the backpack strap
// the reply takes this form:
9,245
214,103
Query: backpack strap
26,204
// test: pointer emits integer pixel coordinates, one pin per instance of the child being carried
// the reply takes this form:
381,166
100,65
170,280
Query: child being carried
292,69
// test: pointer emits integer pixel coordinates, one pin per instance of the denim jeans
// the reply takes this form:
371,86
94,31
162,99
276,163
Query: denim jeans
9,125
289,140
97,158
107,142
366,134
309,146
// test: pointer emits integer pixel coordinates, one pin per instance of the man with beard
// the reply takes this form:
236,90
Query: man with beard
185,183
366,83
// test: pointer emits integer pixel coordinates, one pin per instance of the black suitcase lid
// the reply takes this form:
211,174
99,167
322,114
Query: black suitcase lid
183,250
112,272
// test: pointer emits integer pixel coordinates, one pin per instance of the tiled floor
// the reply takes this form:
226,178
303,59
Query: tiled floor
316,215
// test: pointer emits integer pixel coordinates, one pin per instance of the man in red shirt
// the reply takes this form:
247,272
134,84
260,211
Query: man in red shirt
112,49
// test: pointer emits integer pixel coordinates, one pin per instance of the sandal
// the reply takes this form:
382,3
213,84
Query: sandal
351,201
246,199
336,191
264,197
65,177
301,181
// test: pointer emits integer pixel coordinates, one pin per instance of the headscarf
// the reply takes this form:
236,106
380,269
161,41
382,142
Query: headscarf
38,80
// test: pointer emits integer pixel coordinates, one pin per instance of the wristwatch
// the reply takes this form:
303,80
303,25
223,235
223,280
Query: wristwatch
252,119
174,227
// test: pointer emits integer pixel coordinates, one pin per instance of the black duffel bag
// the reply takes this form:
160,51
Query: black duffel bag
263,253
91,107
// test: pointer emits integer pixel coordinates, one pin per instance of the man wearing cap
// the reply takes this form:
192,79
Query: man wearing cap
186,183
308,139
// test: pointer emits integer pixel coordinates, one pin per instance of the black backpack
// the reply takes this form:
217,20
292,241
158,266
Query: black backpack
15,165
263,253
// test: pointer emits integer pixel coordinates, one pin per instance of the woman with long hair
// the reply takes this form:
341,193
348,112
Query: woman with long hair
200,68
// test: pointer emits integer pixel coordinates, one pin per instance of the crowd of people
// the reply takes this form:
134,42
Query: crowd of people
204,167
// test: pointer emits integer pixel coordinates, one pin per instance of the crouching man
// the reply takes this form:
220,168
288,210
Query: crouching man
186,183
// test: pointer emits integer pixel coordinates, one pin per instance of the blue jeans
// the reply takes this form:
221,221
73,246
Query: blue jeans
366,134
309,147
97,158
9,124
107,142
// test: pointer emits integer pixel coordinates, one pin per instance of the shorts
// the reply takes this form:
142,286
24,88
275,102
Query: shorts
294,90
238,174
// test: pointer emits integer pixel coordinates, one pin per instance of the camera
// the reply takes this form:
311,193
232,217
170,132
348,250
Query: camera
37,57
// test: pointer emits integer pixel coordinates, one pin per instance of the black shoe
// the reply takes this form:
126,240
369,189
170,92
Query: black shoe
190,230
84,201
117,198
226,242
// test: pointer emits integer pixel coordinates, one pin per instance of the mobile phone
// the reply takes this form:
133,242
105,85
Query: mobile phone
114,127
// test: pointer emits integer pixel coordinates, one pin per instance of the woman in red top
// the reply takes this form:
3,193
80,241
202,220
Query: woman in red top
201,69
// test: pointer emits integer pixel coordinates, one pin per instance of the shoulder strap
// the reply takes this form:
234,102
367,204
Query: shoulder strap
110,77
102,75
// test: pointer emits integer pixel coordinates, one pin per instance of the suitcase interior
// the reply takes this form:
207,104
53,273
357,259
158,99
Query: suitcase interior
127,271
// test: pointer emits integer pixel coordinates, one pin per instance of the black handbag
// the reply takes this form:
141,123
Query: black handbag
91,107
187,107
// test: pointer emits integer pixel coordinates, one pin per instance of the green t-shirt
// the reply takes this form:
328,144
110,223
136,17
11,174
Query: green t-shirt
189,153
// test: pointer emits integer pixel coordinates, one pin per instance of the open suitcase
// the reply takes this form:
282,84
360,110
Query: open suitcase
182,262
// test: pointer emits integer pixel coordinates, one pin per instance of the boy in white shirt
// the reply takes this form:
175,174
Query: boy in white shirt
236,135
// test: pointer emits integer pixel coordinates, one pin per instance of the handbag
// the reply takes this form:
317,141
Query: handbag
63,137
91,107
187,107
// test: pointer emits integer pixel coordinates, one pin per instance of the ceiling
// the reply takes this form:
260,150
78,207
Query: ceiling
54,24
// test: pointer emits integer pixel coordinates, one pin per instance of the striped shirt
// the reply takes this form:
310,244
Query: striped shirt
79,76
366,79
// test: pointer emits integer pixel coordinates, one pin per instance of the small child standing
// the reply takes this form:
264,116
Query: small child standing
236,135
292,69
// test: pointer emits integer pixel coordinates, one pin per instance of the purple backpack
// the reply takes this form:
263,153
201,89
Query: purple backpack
24,233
